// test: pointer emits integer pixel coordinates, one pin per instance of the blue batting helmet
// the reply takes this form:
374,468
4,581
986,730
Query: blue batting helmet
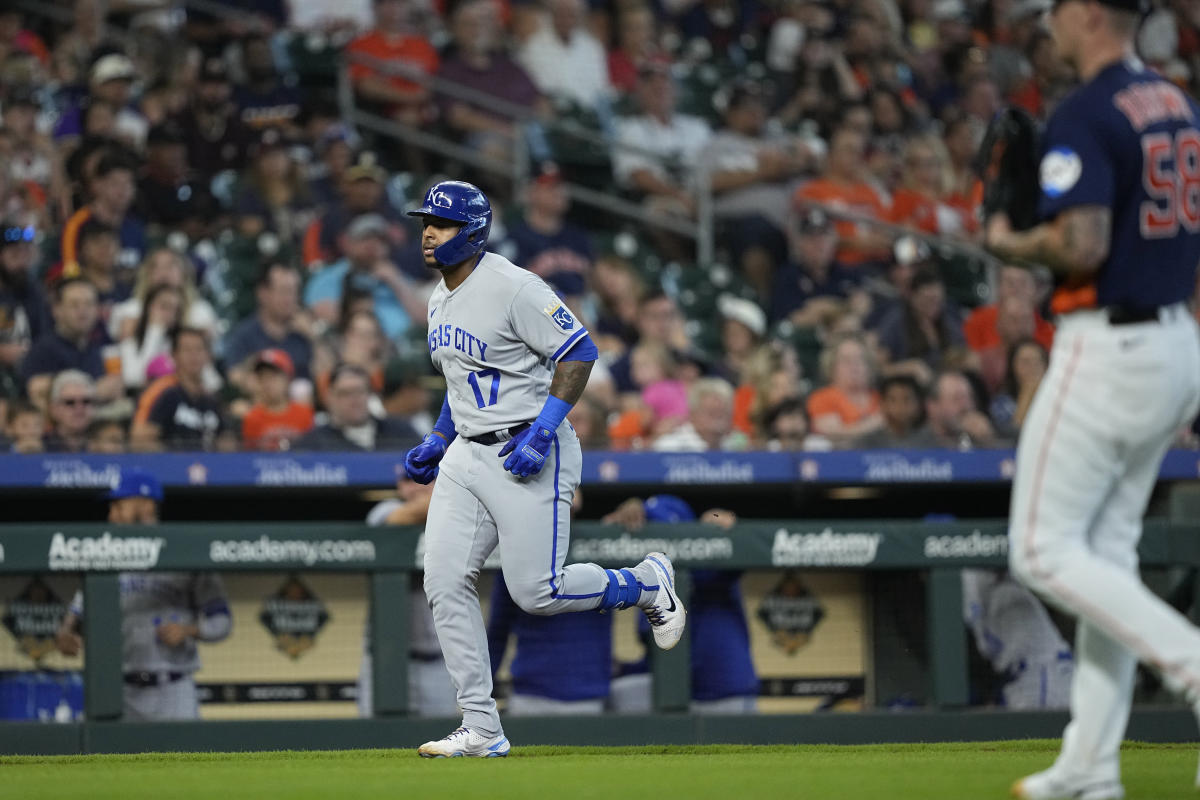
668,508
136,483
461,202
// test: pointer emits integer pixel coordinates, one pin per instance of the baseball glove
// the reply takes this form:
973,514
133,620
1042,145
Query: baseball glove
1007,163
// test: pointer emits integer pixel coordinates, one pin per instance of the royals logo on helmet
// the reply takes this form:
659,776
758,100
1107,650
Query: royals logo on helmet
441,200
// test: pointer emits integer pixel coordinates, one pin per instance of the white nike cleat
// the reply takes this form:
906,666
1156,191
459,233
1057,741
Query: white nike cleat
465,742
1046,785
667,615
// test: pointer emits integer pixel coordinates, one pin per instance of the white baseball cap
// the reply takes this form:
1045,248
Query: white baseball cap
747,312
113,67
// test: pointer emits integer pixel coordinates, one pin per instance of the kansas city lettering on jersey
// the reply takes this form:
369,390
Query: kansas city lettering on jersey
1147,103
448,335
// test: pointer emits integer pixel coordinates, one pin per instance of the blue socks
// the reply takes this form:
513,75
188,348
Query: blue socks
624,589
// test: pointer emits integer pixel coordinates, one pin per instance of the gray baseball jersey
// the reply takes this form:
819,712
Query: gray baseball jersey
497,338
149,599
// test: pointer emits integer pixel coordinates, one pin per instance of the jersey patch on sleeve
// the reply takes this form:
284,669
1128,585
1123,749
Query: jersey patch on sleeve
561,316
1060,170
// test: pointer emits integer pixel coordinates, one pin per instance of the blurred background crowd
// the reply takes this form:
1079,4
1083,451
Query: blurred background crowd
765,213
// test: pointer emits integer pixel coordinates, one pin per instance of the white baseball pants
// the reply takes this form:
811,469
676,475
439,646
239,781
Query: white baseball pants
1088,457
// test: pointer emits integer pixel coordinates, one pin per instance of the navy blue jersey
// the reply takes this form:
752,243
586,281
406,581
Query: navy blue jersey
1128,140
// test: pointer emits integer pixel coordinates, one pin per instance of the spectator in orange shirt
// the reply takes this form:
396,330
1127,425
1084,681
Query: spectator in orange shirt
849,406
922,200
981,326
843,187
399,93
274,419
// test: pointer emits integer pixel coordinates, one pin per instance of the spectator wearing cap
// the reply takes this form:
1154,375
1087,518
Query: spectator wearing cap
848,406
163,616
274,195
362,190
388,65
710,421
546,243
657,147
275,420
278,322
751,178
925,327
566,61
169,195
71,411
24,312
351,425
844,187
214,134
478,61
368,268
902,404
33,163
743,328
111,190
923,200
812,283
70,345
111,82
265,100
177,411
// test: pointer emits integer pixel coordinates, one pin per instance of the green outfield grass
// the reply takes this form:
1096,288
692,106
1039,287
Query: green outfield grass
877,772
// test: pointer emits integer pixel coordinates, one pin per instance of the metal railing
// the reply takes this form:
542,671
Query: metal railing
518,167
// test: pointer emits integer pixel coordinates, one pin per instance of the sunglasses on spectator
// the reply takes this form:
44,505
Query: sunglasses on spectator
72,402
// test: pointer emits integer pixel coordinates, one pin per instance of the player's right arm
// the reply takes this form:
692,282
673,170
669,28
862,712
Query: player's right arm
1076,242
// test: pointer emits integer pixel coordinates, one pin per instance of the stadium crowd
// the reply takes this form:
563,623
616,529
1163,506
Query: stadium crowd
199,252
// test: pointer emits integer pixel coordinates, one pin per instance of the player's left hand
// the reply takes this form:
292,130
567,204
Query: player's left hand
528,451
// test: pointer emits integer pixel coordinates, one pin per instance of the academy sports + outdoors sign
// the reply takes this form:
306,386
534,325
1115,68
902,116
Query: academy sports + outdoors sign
840,544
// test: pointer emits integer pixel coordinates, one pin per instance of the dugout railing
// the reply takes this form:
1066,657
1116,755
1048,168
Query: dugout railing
391,556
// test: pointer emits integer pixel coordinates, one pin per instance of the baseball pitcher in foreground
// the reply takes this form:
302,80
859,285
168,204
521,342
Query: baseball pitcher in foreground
1120,204
515,361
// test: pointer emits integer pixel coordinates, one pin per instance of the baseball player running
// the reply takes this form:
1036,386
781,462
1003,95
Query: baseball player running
1120,204
515,361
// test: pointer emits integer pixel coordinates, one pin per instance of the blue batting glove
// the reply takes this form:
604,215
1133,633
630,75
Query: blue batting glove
528,451
421,463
